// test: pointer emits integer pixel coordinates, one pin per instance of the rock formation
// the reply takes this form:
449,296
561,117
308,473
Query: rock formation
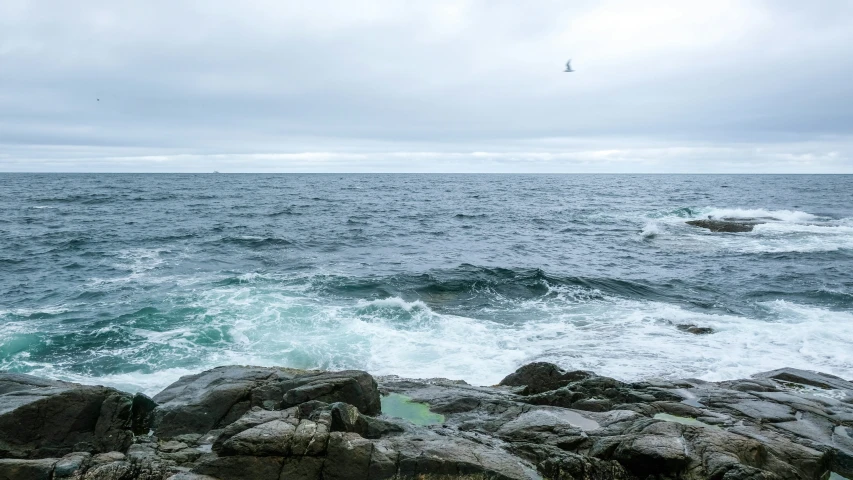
254,423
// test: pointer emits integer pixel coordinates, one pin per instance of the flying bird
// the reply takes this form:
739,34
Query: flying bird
569,66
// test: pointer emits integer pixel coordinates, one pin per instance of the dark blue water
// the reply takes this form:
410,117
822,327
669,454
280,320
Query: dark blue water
134,280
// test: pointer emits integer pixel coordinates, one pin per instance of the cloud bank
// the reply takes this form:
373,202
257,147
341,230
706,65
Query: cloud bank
467,86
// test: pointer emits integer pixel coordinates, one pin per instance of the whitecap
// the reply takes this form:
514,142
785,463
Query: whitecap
650,230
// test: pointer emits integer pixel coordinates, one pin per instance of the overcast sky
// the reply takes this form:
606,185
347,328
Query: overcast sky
392,85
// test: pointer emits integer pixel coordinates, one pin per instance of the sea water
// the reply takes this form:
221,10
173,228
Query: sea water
134,280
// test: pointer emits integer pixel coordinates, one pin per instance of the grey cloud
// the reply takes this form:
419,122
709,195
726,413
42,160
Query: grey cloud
218,83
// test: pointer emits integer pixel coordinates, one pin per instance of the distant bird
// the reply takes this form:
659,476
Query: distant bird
569,66
98,99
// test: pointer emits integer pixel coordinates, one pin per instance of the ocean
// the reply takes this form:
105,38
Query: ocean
133,280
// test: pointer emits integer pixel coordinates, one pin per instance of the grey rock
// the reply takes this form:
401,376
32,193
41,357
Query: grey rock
724,225
110,471
274,438
805,377
348,456
216,398
142,410
241,468
545,422
108,457
191,476
171,446
694,329
43,418
17,469
302,468
208,400
540,377
72,466
764,411
253,418
347,418
557,464
354,387
142,454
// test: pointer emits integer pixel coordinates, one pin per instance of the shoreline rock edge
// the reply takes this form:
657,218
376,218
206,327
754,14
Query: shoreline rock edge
259,423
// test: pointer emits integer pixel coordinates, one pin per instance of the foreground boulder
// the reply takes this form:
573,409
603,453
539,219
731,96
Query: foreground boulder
47,418
253,423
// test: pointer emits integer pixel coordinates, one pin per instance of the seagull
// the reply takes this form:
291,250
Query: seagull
569,66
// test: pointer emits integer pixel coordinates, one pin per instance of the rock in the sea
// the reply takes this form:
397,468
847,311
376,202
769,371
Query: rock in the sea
724,226
695,330
47,418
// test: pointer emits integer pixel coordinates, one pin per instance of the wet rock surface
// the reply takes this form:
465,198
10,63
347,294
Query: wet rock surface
541,422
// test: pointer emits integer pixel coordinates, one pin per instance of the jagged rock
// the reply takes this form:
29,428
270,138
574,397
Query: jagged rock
218,397
347,456
724,226
805,377
211,399
347,418
142,413
253,418
108,457
557,464
351,386
242,468
17,469
597,394
171,446
285,424
541,376
195,476
110,471
43,418
72,466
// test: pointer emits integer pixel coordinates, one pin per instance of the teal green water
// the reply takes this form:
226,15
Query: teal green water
401,406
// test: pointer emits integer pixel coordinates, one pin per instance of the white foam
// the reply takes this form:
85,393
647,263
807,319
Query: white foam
25,312
793,216
575,327
650,230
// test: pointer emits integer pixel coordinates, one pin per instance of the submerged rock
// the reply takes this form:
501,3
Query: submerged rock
235,423
725,226
695,330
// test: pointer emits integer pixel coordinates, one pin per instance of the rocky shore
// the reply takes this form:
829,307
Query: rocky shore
254,423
